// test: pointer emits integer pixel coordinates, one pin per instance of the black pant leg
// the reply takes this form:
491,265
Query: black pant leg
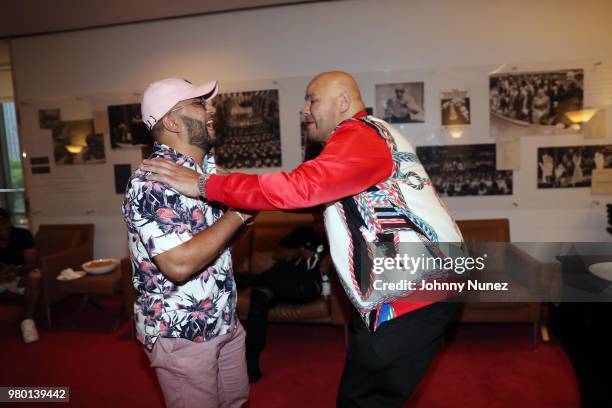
296,291
256,332
257,320
361,367
383,368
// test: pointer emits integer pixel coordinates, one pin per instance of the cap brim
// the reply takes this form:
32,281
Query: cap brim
208,91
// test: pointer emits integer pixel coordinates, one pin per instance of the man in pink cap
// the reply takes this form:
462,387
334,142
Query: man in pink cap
185,315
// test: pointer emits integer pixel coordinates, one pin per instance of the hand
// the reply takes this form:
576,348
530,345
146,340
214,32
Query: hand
179,177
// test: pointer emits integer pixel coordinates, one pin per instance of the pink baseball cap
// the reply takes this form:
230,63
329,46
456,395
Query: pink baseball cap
161,96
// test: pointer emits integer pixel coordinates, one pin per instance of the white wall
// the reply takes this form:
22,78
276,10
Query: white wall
378,40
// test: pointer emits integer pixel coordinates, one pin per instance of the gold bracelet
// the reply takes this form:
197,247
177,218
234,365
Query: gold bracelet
202,185
241,217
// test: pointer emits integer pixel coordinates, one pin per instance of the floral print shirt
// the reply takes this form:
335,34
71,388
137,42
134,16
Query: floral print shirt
159,218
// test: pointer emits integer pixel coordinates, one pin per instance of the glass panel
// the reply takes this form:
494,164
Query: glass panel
12,145
12,195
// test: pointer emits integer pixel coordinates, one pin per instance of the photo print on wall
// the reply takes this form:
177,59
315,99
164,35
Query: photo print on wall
401,102
74,142
531,103
455,108
571,166
48,118
123,173
465,170
40,165
248,129
127,130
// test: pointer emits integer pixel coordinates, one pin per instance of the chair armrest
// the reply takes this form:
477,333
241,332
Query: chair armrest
53,264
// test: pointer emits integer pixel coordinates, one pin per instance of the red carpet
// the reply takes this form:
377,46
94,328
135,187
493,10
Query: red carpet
482,366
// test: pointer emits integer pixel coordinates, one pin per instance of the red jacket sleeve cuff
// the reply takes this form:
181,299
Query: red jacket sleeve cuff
214,187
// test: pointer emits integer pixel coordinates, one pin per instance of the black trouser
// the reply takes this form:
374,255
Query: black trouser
383,368
293,289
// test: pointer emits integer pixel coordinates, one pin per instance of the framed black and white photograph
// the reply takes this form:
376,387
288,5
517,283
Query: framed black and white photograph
528,103
455,108
40,165
123,172
401,102
465,170
48,118
571,166
74,142
248,128
127,130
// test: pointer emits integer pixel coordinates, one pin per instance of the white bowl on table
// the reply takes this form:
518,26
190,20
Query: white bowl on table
602,270
100,266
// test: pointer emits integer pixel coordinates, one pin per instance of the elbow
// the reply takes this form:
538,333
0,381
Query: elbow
175,275
179,273
181,263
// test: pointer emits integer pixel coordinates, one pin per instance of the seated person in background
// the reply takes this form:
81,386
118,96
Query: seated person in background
293,276
18,273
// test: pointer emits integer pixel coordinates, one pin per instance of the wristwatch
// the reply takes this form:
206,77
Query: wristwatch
202,184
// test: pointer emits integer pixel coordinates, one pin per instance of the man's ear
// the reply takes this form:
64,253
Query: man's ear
171,124
344,102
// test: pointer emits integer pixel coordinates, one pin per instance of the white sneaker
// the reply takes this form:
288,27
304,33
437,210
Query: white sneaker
28,330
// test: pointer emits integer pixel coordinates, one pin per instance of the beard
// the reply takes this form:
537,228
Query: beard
199,135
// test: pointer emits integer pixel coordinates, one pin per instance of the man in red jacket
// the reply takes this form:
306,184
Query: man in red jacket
394,342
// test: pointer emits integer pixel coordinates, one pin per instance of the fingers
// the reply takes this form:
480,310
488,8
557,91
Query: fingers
160,161
170,169
156,165
158,177
160,166
158,170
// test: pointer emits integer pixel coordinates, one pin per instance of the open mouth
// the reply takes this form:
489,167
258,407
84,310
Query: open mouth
210,126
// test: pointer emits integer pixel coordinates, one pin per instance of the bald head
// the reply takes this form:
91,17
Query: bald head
331,97
337,83
339,80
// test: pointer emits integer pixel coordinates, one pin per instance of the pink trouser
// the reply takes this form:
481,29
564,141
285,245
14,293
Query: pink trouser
208,375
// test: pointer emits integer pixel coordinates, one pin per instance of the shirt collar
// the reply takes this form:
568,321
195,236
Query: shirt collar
358,115
165,151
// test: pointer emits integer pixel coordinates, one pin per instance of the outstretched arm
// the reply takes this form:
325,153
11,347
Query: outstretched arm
354,159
